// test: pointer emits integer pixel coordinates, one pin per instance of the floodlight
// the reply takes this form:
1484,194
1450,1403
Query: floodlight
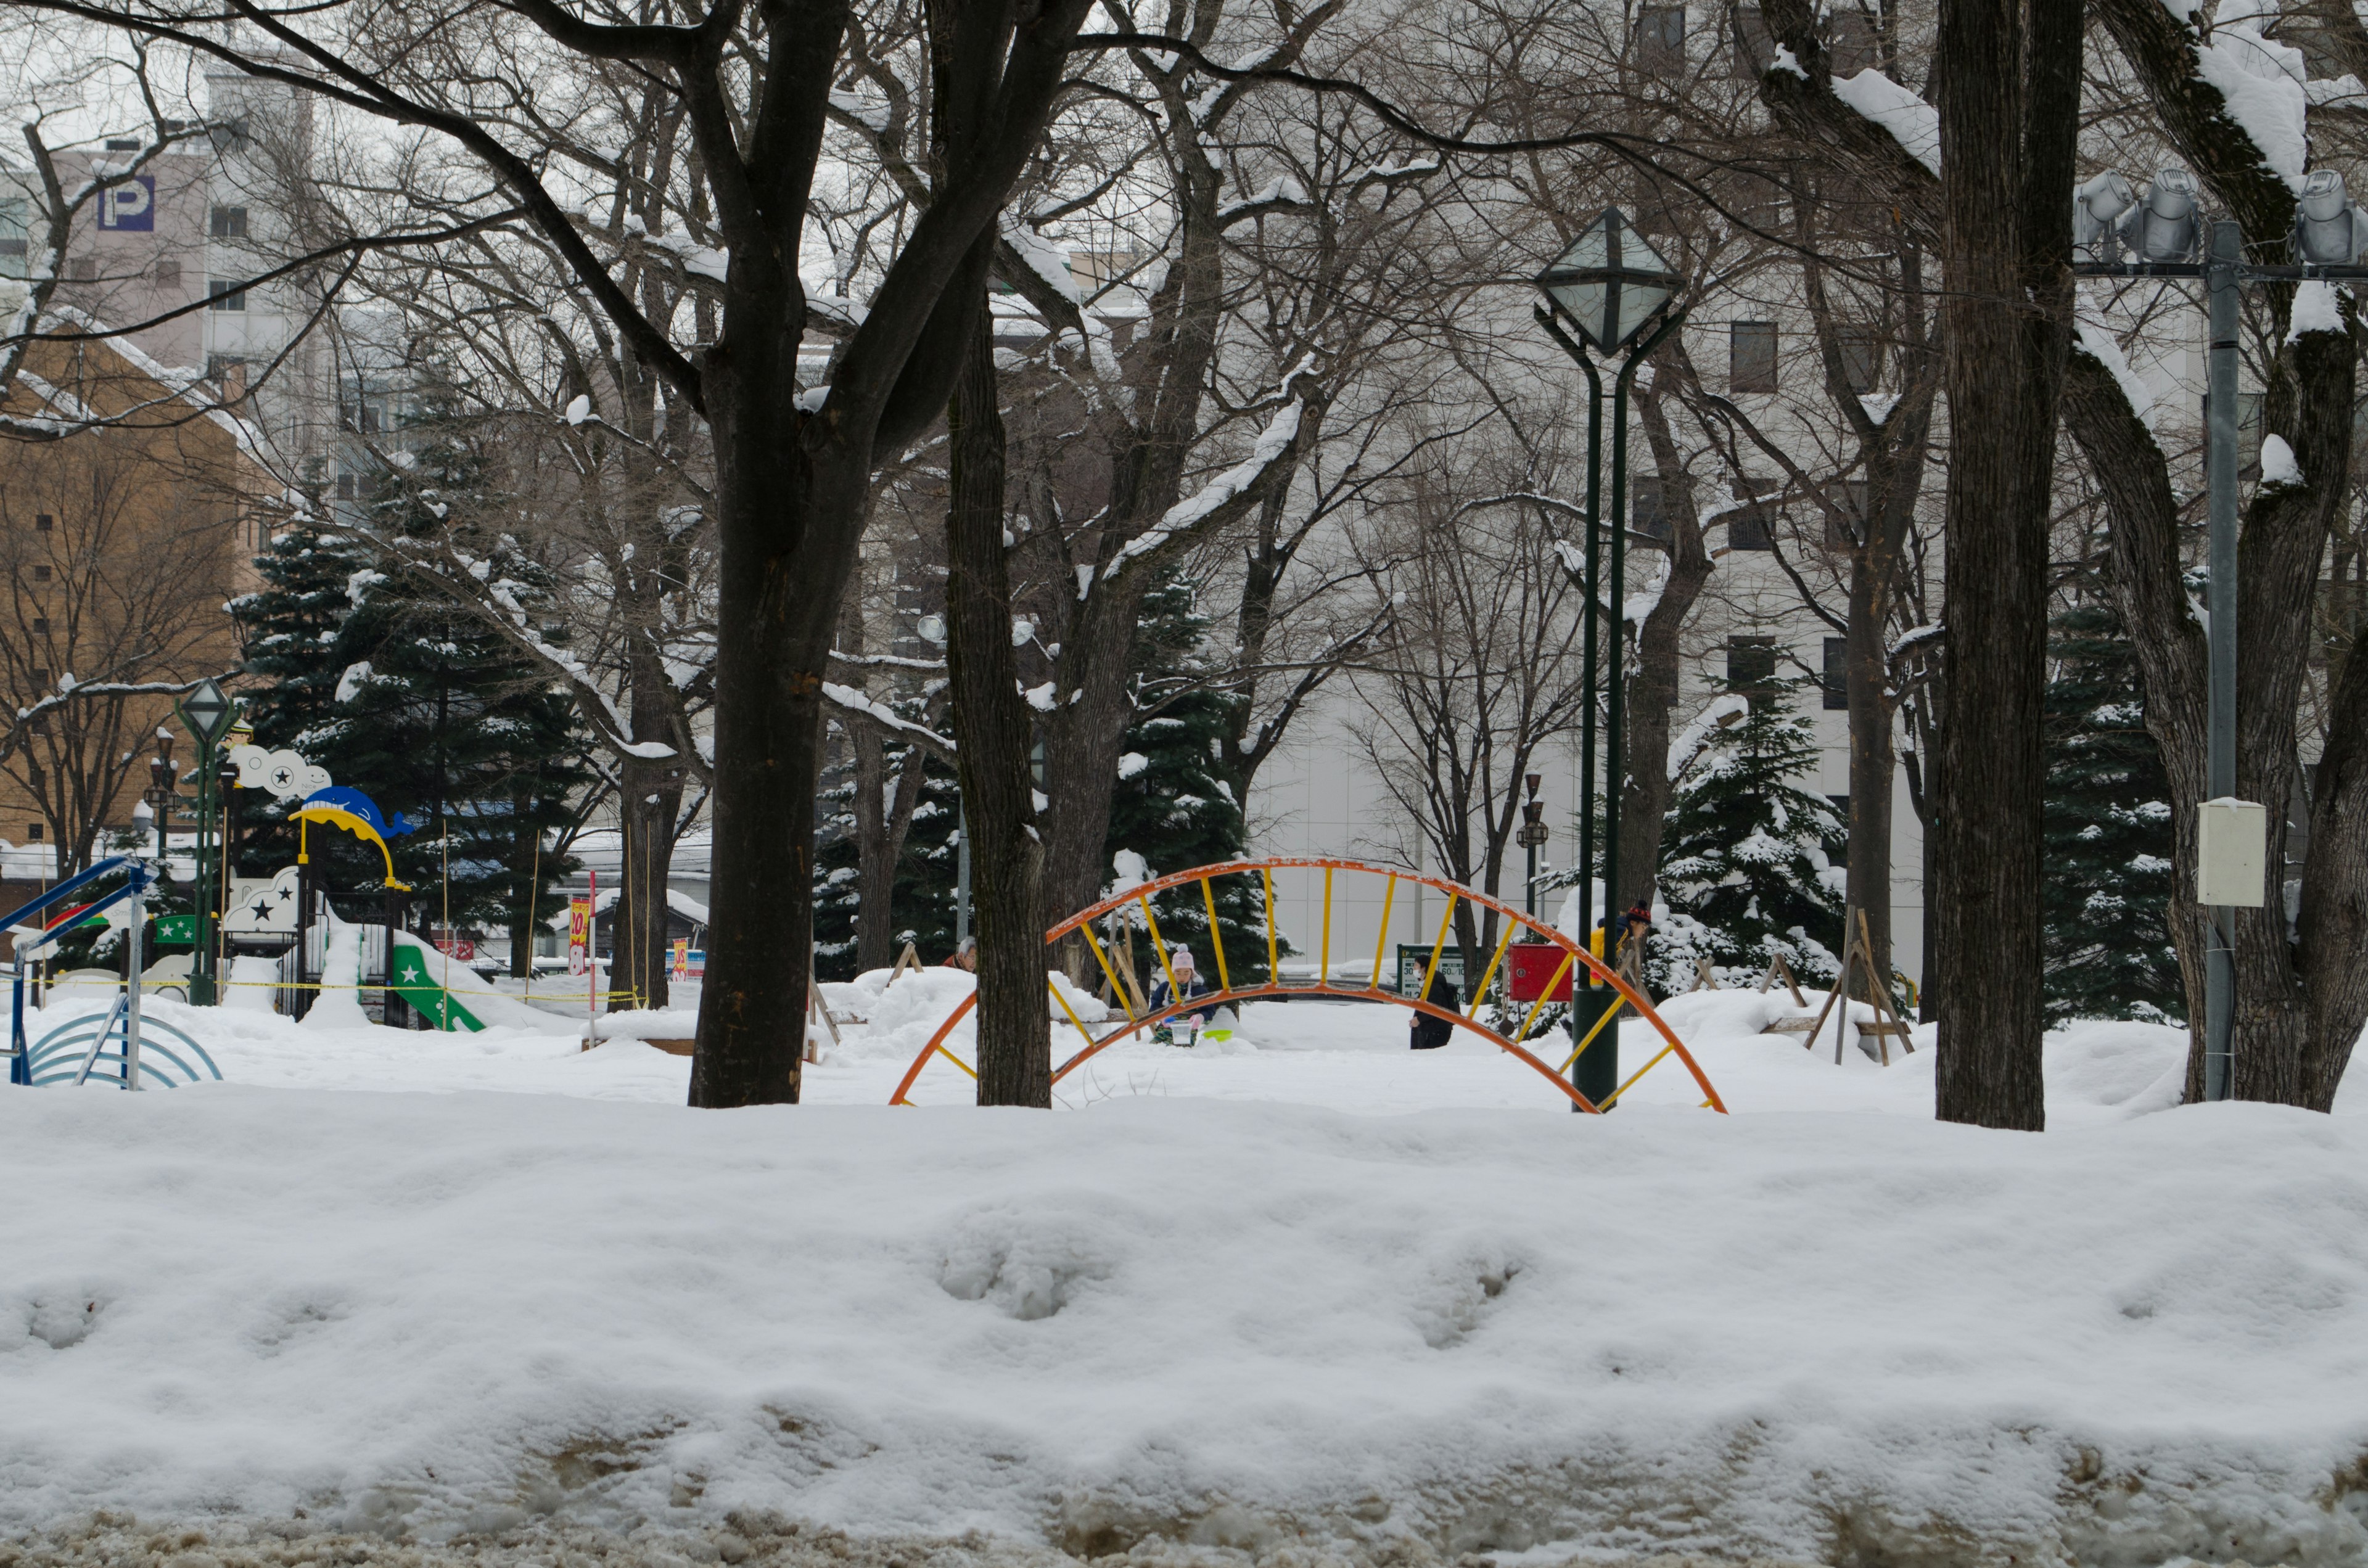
2328,227
2169,225
2098,206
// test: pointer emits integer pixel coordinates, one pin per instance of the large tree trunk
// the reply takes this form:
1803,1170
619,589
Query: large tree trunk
992,736
1653,688
1083,737
2333,930
1874,762
649,799
782,509
2008,101
2147,586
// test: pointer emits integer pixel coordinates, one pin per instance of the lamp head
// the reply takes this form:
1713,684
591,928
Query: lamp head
2098,204
2327,228
1611,282
2169,225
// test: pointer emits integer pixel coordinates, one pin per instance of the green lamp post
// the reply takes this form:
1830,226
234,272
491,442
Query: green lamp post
1618,291
206,713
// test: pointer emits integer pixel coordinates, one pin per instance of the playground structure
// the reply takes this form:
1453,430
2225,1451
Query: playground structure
52,1060
1275,984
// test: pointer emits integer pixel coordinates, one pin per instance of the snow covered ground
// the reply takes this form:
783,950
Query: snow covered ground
1301,1287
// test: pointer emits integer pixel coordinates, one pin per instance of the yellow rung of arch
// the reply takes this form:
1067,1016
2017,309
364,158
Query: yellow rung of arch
1437,948
1159,946
1389,891
1494,959
1216,937
1086,1033
1117,990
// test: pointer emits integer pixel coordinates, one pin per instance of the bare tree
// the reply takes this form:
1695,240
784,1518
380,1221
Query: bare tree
1480,676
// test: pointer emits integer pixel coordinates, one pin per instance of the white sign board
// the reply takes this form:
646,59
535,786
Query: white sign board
2232,854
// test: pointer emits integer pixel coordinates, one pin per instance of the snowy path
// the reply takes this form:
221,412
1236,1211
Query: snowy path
1373,1307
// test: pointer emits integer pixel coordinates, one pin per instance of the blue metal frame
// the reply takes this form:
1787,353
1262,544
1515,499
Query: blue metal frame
136,881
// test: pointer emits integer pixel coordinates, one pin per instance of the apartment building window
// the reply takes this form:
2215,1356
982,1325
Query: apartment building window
43,522
1844,531
32,832
168,275
40,676
41,573
1837,674
1751,668
1661,38
1862,356
1751,357
12,236
225,296
345,487
1755,46
81,269
35,777
1649,514
40,626
1752,525
227,223
1853,45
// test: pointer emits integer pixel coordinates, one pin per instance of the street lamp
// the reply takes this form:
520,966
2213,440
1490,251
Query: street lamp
206,713
1620,294
162,794
2163,230
1531,838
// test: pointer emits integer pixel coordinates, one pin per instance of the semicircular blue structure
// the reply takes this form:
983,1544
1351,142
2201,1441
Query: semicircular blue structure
58,1056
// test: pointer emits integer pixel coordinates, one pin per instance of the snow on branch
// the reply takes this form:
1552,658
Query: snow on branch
886,660
1047,259
1726,710
1281,193
1913,123
2092,340
849,701
1273,443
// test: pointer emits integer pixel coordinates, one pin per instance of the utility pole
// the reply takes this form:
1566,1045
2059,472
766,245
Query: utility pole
2220,481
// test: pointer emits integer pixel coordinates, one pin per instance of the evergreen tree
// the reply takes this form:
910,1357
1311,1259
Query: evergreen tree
2106,906
415,702
922,902
1747,863
293,629
1171,806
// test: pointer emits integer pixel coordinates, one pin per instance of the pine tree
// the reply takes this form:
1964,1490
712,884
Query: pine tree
415,702
922,901
1747,866
293,629
1171,806
2107,902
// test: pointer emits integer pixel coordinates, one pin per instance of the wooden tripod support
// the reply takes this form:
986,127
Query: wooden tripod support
1858,951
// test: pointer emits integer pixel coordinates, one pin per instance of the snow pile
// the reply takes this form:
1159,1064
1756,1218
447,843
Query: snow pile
1810,1335
2278,465
898,1016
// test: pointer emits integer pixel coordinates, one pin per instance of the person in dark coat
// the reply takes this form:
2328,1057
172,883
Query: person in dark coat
1429,1032
1187,985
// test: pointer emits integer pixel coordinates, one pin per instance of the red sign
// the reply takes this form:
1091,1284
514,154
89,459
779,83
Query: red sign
1534,963
454,946
579,935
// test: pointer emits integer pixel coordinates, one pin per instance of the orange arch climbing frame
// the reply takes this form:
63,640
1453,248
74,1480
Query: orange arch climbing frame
1273,985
